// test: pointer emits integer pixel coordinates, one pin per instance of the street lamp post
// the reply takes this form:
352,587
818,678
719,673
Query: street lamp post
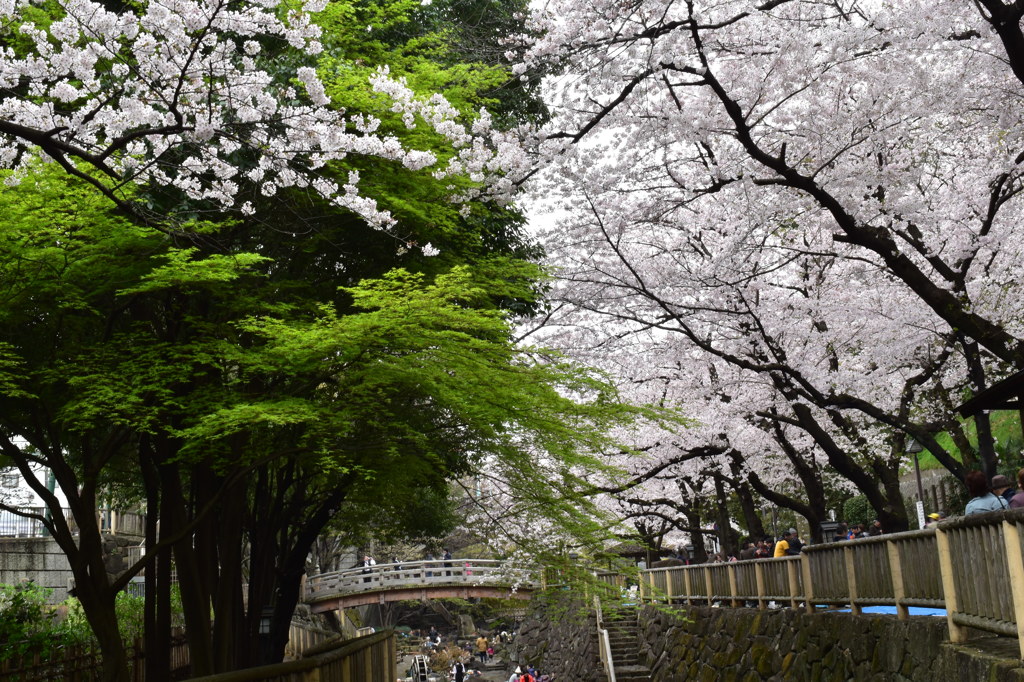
913,447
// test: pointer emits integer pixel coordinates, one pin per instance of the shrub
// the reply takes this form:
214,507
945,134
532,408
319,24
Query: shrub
27,622
857,510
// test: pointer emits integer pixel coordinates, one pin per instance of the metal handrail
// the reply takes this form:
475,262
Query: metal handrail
24,522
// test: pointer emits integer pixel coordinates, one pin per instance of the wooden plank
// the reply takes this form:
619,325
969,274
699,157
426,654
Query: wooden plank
1015,565
794,586
762,603
957,633
896,571
851,579
709,585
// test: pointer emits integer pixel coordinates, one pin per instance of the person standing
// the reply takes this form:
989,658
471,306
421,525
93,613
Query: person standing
481,648
782,546
447,560
1017,501
796,545
368,564
1002,487
459,671
982,500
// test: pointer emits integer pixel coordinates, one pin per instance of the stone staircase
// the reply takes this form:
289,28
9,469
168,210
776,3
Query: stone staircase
624,637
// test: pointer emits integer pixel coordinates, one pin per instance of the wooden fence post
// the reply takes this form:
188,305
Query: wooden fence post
734,589
805,565
957,633
709,586
899,592
759,578
668,586
1011,538
688,586
851,579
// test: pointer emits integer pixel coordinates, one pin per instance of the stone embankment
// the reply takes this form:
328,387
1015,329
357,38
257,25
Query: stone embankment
559,637
703,644
747,645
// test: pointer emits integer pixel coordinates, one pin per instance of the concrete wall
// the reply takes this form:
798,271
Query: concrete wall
37,559
42,561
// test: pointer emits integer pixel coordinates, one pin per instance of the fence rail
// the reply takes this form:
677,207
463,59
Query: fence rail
303,638
604,643
367,659
16,525
973,567
80,663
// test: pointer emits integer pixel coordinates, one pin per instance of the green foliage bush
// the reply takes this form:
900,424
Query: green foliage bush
857,510
29,624
130,618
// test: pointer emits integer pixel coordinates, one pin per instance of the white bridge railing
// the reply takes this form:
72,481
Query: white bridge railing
430,573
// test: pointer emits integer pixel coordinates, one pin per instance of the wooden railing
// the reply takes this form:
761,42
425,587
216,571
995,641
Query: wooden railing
416,573
83,662
972,567
604,643
367,659
303,638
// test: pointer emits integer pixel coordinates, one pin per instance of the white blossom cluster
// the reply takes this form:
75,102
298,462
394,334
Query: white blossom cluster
183,93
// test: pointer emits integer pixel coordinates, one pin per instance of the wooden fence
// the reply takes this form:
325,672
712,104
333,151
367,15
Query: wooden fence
83,663
973,567
372,658
303,638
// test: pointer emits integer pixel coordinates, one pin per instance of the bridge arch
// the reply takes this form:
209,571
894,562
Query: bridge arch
429,579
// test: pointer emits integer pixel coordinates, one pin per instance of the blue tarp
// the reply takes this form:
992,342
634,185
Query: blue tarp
914,610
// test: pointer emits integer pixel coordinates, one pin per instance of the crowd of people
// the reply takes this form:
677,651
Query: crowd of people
998,495
984,497
530,674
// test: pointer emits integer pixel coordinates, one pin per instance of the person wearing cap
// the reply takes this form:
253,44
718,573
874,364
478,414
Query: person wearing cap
796,545
514,677
1002,487
932,519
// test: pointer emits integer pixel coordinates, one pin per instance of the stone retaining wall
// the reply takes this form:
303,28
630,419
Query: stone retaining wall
747,645
704,644
42,561
558,636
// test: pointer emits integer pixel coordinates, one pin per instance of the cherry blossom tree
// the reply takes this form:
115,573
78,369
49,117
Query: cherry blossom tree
218,101
822,195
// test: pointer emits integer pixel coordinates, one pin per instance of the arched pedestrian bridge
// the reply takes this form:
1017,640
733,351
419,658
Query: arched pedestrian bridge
436,579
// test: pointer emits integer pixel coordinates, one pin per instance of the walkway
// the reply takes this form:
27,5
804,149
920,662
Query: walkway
437,579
